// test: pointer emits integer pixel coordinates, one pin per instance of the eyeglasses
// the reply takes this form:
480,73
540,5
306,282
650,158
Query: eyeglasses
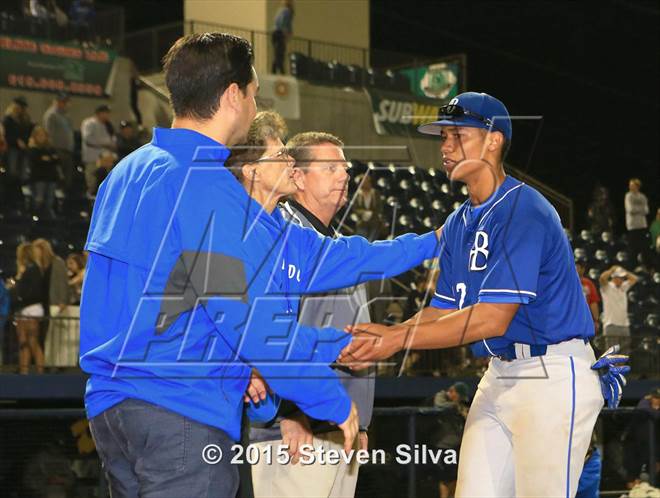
280,155
456,111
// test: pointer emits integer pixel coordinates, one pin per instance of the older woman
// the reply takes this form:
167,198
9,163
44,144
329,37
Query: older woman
263,165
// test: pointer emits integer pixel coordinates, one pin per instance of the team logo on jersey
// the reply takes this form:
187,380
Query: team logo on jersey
479,252
292,271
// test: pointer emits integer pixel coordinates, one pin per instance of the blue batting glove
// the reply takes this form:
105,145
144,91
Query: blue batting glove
611,368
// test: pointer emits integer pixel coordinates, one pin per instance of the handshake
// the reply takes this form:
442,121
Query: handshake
371,342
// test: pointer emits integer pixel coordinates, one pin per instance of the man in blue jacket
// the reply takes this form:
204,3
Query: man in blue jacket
191,283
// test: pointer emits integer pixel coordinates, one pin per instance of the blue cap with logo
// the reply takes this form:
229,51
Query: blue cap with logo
476,110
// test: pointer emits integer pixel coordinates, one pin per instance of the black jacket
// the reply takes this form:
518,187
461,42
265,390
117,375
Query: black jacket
28,289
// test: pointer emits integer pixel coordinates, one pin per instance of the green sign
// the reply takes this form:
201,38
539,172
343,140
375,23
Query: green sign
440,80
45,65
401,114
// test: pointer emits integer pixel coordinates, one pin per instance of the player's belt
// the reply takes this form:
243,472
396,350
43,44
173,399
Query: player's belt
520,351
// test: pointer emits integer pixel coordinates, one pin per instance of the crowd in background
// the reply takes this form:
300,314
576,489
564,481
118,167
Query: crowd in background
643,239
44,301
40,158
71,20
45,163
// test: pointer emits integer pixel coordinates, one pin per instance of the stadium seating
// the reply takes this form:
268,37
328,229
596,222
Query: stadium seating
336,73
416,200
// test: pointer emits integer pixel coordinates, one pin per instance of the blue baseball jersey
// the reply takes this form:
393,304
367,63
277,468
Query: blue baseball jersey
513,249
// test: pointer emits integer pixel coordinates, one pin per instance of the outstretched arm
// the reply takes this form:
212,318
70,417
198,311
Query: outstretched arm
428,314
481,321
338,263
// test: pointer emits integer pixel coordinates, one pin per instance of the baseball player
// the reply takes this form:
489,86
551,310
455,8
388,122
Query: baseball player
507,286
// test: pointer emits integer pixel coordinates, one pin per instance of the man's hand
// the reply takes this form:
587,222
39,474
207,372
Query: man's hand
364,440
350,428
296,432
256,389
371,342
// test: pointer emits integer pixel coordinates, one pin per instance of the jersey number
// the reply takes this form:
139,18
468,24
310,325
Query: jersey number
462,290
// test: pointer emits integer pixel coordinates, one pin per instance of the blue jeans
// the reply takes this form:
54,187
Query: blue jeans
150,452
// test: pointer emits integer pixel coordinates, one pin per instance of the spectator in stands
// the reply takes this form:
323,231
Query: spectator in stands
44,171
56,302
18,126
590,292
282,34
5,303
75,264
369,209
81,16
96,137
26,291
614,286
61,133
448,436
56,282
127,139
637,207
601,213
654,231
39,10
3,151
104,165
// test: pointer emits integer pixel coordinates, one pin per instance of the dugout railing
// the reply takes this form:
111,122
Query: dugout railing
51,449
59,337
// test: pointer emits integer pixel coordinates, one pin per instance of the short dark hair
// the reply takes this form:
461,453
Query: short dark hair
299,145
200,67
266,124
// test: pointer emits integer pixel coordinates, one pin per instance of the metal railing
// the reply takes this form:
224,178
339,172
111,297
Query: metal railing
147,47
106,27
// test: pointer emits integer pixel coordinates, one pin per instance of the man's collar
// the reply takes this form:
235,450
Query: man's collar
316,223
204,147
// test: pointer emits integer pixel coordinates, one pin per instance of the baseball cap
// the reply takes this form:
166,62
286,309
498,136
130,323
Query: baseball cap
102,108
462,389
476,110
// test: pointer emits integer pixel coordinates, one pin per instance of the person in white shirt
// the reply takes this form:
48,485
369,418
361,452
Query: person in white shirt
97,135
614,286
637,208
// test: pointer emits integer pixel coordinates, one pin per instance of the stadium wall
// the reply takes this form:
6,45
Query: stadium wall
81,107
